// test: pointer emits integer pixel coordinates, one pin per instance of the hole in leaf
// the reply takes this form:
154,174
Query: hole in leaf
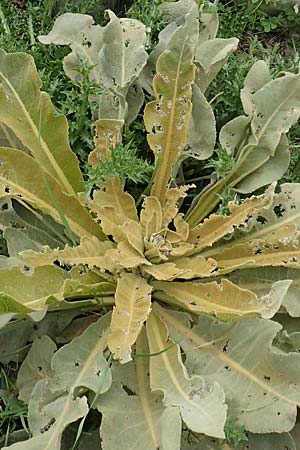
128,390
48,426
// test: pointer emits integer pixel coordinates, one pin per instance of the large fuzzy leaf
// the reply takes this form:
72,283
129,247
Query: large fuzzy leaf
21,176
276,107
210,57
15,337
276,222
51,432
26,228
22,292
201,405
226,300
201,127
85,39
115,54
132,307
166,118
261,383
54,403
283,441
90,251
130,405
30,115
216,226
36,366
261,279
185,268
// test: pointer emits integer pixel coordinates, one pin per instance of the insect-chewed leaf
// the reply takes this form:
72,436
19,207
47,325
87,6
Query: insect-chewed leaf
24,292
210,57
283,441
84,38
55,422
35,367
151,216
166,118
185,268
108,135
132,307
21,175
261,382
54,403
171,206
216,226
30,114
123,55
115,54
112,195
90,251
277,222
226,300
257,77
201,404
261,253
263,154
155,426
261,280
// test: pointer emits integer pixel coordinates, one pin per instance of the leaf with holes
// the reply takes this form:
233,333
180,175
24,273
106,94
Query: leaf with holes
132,307
30,114
155,425
201,404
261,383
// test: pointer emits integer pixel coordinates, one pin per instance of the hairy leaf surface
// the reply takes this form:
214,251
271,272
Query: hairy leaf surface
166,118
201,405
155,426
30,114
261,383
132,307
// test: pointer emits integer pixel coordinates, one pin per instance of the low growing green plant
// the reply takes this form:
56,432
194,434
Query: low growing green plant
168,312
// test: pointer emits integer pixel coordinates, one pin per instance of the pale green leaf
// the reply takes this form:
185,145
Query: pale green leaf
261,279
24,292
51,432
54,403
201,404
35,367
21,176
210,57
201,127
268,169
275,441
90,251
31,116
257,77
261,382
141,417
84,38
276,107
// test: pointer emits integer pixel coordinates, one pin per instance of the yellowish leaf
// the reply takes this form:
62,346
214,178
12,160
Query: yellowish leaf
132,307
225,300
166,118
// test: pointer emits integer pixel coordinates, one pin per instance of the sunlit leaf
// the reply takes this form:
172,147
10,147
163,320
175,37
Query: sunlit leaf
201,405
132,307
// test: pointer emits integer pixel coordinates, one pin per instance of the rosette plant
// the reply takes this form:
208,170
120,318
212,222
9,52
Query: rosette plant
166,315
